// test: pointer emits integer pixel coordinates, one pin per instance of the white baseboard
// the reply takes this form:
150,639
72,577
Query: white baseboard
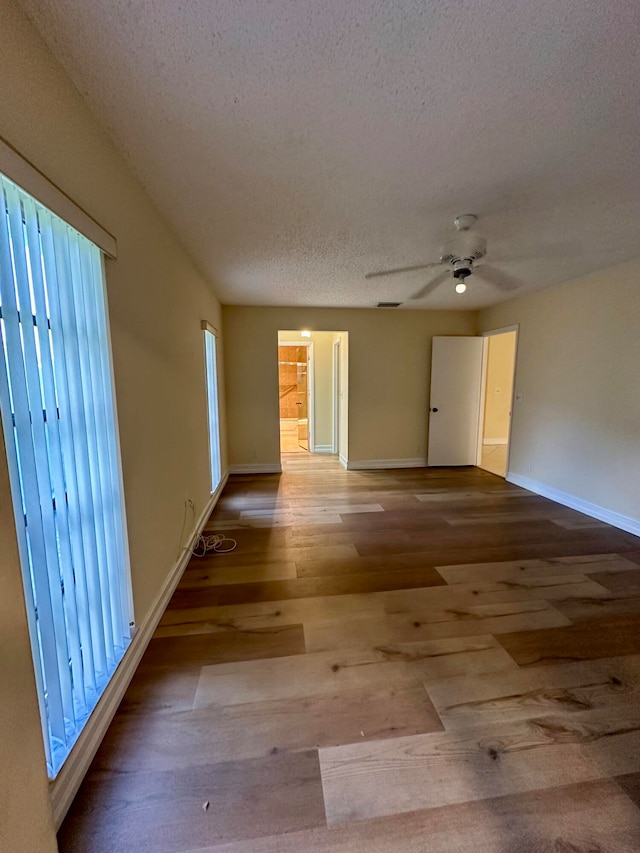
256,468
495,441
624,522
343,461
375,464
65,786
323,448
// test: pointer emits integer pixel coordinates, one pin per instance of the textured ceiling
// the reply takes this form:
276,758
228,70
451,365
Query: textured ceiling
295,145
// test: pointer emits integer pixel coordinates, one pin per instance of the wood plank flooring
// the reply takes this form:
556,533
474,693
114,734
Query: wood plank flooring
400,660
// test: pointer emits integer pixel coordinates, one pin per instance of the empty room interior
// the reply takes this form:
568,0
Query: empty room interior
320,446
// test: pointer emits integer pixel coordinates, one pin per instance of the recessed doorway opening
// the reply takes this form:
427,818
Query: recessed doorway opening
313,392
499,362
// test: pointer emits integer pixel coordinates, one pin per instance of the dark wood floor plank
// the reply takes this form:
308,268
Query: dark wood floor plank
513,533
630,784
281,793
578,608
161,689
222,647
306,587
219,574
600,637
624,583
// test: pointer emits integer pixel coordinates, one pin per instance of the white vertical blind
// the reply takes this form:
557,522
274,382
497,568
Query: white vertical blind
212,401
58,416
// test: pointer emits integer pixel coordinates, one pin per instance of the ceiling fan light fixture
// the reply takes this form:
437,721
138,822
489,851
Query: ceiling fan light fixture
457,259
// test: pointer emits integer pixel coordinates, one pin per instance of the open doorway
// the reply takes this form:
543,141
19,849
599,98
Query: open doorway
313,393
499,363
295,377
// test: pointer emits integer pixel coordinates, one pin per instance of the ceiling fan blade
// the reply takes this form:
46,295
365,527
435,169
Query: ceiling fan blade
546,251
400,269
496,277
431,285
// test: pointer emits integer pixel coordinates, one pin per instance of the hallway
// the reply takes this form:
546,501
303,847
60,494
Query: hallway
393,660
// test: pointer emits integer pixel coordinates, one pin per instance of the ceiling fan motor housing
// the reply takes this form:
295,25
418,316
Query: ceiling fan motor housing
462,268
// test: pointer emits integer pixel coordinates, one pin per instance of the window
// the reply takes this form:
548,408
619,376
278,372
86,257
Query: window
210,342
58,416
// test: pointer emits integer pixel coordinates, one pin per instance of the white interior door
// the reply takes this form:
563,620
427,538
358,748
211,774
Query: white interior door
454,407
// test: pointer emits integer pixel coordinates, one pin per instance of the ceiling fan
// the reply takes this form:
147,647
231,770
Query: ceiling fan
457,259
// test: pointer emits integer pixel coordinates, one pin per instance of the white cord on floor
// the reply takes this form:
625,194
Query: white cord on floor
214,542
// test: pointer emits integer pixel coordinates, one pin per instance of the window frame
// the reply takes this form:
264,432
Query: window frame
34,242
210,335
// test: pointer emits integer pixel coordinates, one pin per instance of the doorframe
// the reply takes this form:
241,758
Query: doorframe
311,413
483,387
337,355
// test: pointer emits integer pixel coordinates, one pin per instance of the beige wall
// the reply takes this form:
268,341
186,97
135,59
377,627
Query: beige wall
323,388
501,350
577,428
26,822
157,300
389,356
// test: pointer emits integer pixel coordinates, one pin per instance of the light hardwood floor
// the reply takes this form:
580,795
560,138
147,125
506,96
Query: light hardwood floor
494,458
412,660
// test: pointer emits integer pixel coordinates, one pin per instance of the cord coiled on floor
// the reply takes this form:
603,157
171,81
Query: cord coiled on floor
215,542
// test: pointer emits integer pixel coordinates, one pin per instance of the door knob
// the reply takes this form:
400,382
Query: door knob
298,404
433,410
